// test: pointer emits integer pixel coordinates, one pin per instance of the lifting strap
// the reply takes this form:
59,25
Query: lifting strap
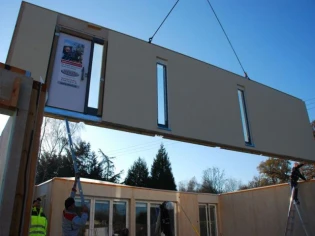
74,159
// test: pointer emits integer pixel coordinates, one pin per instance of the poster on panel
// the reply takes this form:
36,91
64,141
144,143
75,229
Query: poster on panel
70,73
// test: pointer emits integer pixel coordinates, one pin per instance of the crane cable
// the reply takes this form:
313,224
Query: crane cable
227,39
150,39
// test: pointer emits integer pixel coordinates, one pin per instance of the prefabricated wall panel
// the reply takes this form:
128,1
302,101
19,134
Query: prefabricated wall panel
202,100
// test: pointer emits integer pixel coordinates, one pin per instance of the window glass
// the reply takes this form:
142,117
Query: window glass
162,95
213,225
141,219
95,75
84,231
119,216
244,118
203,220
154,213
101,218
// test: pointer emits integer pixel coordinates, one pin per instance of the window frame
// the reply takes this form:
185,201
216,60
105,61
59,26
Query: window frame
241,97
111,201
166,125
207,205
149,203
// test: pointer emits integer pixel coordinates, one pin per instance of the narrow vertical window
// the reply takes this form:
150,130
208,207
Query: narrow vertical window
244,118
141,219
78,210
162,96
119,216
212,220
203,221
101,217
154,214
95,76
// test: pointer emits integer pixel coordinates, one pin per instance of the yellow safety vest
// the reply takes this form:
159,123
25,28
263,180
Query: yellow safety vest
38,223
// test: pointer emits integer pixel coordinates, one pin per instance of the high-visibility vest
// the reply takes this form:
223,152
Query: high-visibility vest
38,223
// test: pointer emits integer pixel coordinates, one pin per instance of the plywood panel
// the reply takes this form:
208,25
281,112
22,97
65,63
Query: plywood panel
32,40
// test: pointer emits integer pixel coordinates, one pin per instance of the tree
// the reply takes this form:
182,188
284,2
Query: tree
308,170
109,168
275,170
213,180
54,137
47,167
61,165
232,185
191,186
313,127
161,171
138,174
258,181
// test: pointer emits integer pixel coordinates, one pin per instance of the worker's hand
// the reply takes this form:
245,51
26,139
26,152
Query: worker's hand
85,208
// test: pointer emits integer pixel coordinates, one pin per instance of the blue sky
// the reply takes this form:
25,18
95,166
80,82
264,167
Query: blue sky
274,41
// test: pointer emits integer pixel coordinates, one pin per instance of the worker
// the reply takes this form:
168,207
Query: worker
71,222
38,219
295,175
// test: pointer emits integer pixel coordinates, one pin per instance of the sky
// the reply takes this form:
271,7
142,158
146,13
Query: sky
273,39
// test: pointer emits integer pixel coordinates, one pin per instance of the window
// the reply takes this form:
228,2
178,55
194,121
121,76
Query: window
106,217
244,118
95,76
162,96
207,220
154,214
119,216
147,217
101,218
84,231
141,219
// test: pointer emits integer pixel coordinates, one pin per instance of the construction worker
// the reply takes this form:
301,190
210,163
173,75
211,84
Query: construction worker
38,220
71,222
295,175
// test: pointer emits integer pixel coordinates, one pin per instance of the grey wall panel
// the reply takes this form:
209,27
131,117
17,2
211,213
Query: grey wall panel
202,101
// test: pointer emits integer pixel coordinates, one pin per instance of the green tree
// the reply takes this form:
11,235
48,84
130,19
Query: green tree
275,170
138,174
161,171
52,165
313,127
47,167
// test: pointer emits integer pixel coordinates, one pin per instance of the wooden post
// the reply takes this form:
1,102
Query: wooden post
27,171
25,99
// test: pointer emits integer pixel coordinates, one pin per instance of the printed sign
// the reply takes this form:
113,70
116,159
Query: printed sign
71,69
69,80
